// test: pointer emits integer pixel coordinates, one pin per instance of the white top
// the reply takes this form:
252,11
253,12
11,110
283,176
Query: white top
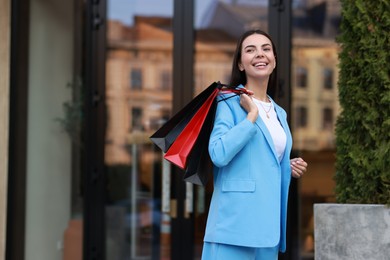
276,130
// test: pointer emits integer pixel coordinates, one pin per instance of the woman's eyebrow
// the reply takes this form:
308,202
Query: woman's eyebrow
253,46
250,46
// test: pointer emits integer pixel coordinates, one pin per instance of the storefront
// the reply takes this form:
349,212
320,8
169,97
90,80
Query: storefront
90,82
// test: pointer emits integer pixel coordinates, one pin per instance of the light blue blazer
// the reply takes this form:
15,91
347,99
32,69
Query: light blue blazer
249,202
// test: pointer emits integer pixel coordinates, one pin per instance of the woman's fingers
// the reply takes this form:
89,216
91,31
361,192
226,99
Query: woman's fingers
298,167
247,103
295,174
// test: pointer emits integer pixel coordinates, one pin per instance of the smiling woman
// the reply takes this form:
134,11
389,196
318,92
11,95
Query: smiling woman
258,60
250,148
124,199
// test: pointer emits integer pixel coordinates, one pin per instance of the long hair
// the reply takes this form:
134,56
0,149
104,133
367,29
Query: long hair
239,77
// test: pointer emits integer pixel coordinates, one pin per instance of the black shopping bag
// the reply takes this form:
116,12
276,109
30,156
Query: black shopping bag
167,134
183,144
199,165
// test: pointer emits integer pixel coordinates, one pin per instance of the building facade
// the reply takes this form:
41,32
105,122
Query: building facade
88,82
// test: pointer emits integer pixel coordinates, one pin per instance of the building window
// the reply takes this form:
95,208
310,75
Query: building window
301,117
328,78
166,80
327,118
136,119
157,122
136,79
301,76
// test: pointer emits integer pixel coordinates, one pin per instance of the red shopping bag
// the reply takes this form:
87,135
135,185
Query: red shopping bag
182,146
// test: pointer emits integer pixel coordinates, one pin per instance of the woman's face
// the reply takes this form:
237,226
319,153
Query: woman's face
257,57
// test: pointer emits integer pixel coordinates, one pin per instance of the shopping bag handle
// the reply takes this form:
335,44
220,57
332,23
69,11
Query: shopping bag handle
227,89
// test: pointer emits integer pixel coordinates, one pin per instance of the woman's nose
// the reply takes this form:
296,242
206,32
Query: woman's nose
259,53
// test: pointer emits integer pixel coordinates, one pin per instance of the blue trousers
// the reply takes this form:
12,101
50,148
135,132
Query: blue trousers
217,251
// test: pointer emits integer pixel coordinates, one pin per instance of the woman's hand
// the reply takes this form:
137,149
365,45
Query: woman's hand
247,103
298,167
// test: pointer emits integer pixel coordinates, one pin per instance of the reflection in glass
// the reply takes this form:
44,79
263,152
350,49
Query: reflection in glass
136,79
218,24
301,117
138,101
301,75
314,104
327,118
328,78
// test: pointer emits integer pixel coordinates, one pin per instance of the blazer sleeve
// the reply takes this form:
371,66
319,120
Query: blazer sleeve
228,137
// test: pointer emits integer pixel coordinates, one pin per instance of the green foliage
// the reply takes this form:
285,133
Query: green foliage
71,123
363,127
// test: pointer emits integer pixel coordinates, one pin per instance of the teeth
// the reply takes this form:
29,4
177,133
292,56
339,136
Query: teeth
260,64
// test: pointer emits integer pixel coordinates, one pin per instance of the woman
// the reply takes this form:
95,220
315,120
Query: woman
250,148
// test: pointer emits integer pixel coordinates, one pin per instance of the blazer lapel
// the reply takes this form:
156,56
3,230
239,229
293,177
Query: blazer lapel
283,122
259,122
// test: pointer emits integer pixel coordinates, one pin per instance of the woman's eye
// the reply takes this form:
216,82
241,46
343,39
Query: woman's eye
267,49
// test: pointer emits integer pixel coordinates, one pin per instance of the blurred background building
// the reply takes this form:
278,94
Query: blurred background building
90,81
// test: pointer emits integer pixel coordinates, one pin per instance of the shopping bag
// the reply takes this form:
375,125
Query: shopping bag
167,134
199,164
185,137
181,147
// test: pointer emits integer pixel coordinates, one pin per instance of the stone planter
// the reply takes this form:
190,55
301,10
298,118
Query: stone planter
351,231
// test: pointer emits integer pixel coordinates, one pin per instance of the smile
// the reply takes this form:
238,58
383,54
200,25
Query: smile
260,64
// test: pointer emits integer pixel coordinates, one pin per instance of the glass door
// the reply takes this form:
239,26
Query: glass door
218,25
314,105
139,44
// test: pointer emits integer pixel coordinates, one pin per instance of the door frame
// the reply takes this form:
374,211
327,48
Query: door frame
17,151
279,28
182,233
94,135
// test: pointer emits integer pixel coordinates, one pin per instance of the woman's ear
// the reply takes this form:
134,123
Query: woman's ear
240,67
